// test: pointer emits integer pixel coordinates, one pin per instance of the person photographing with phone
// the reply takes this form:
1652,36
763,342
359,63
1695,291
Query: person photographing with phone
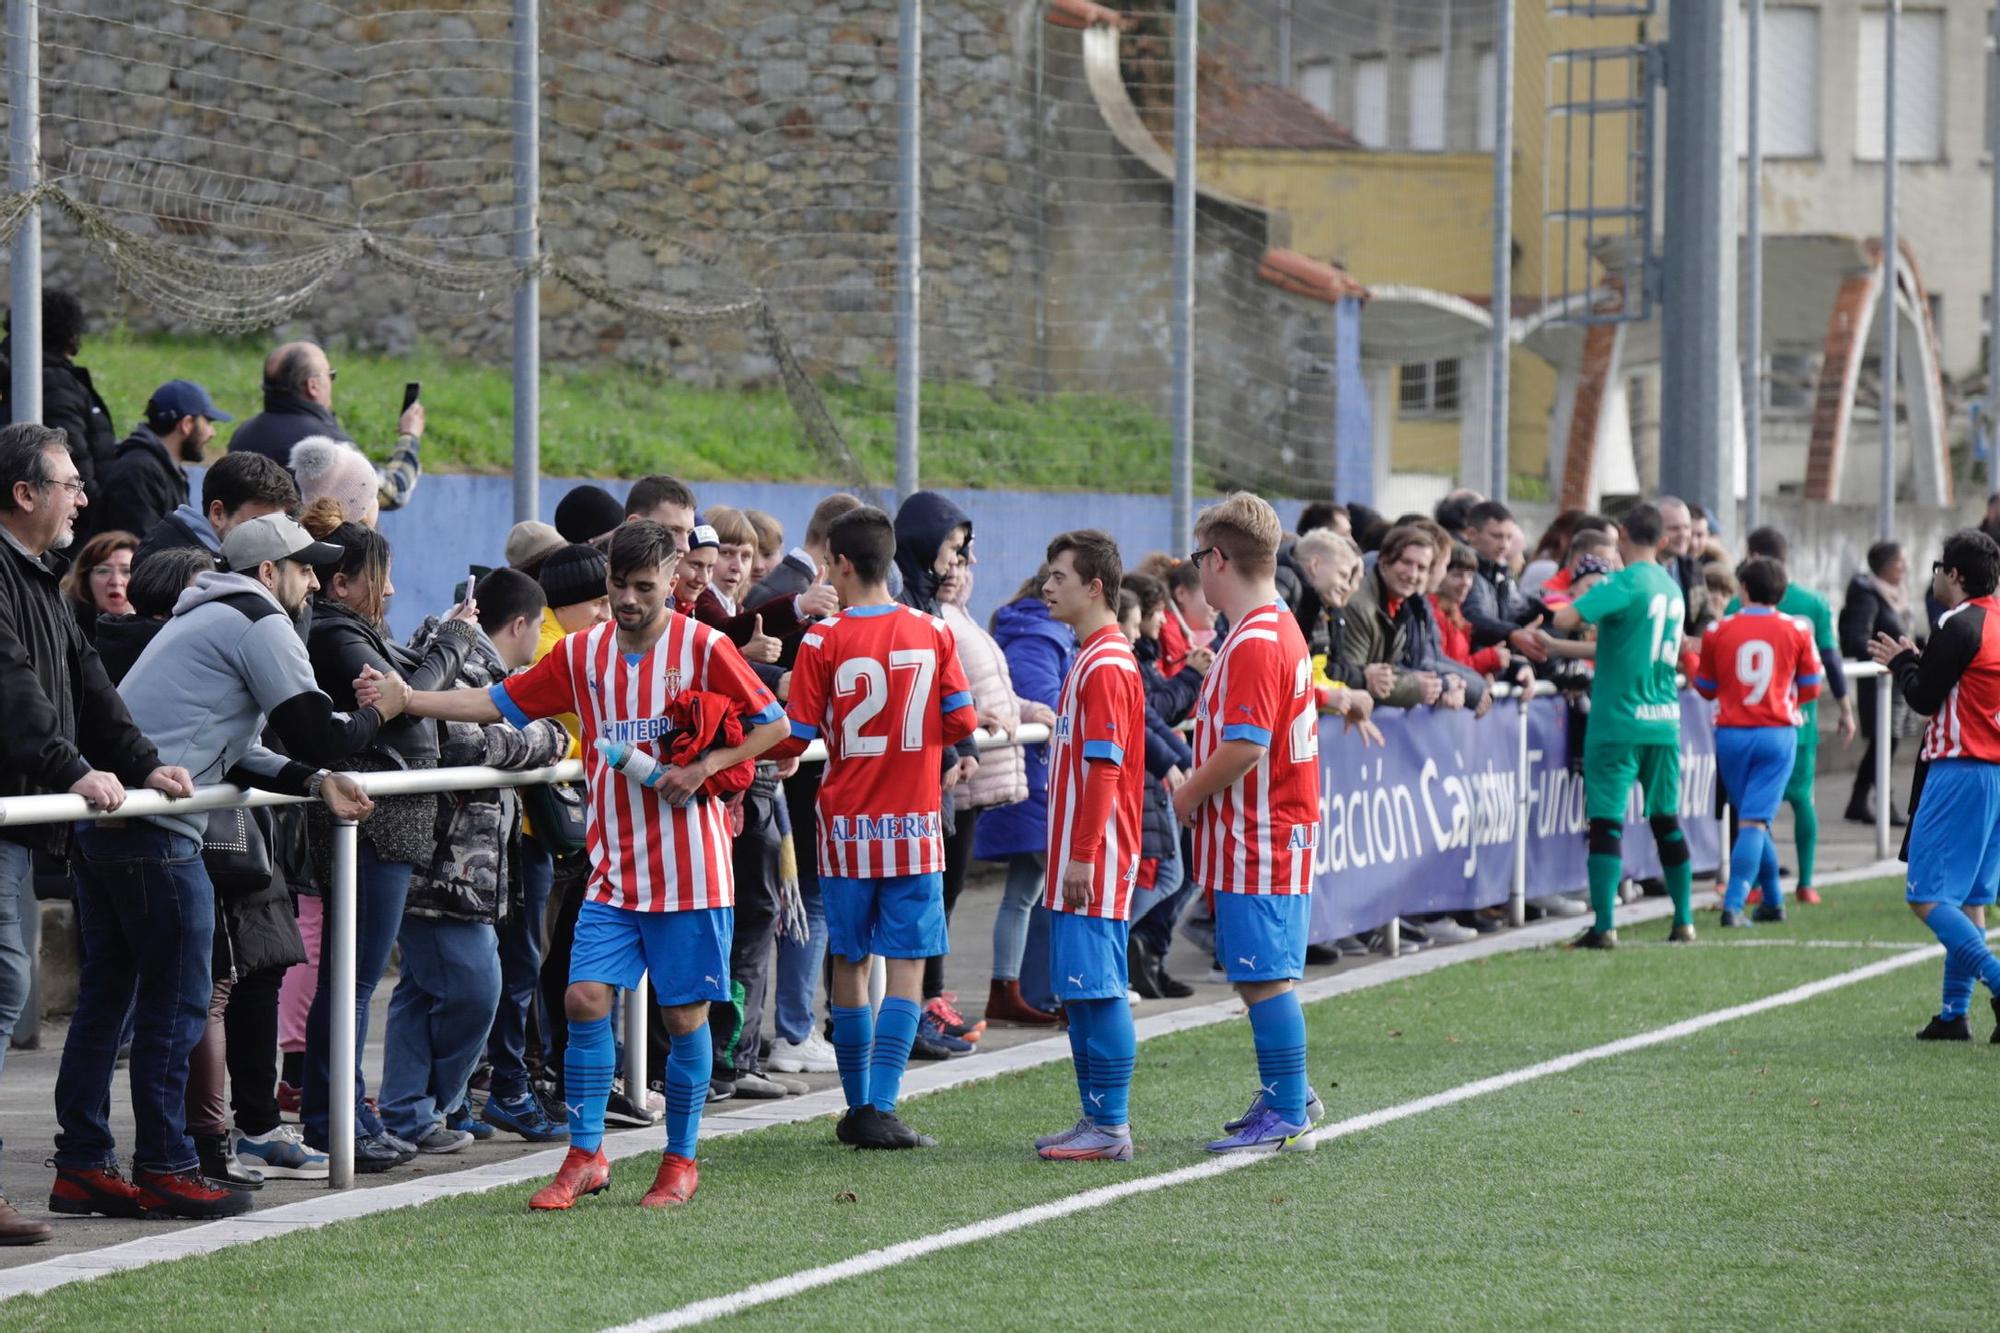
298,404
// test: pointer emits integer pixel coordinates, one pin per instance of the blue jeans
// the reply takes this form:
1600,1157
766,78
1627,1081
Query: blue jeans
147,911
1154,922
17,888
1037,986
520,971
381,886
1026,879
799,967
439,1016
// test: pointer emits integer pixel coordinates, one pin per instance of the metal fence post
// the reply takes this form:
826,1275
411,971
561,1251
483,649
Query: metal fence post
1517,901
527,250
1186,27
1884,795
1503,247
1886,522
909,239
24,175
339,942
1753,275
638,1001
1992,421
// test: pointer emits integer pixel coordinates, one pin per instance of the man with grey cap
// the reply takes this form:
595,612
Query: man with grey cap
228,663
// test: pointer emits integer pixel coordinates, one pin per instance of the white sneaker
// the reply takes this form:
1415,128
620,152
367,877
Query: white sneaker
1560,905
1446,931
282,1153
811,1056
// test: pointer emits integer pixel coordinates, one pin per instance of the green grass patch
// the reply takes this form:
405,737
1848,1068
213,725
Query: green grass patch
1811,1164
626,421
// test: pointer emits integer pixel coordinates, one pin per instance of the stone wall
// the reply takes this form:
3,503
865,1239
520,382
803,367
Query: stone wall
692,154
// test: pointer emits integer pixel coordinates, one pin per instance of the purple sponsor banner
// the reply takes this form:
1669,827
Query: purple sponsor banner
1429,823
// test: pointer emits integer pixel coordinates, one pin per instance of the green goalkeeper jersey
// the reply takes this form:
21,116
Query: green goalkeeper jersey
1638,612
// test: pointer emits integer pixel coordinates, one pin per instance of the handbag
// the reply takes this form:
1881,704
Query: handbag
557,810
237,851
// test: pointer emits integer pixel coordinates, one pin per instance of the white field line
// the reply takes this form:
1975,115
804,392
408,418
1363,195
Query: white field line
310,1214
875,1261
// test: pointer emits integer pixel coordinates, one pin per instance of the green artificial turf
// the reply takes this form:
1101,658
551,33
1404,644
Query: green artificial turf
1812,1164
626,421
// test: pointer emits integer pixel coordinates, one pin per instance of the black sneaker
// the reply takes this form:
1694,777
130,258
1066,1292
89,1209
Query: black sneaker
866,1128
1170,988
1318,955
925,1047
720,1090
1941,1028
1143,968
1768,912
1594,938
1681,934
376,1154
621,1110
1996,1020
906,1137
1733,920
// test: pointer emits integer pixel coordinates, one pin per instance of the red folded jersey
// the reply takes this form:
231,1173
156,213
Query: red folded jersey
882,686
1760,666
704,720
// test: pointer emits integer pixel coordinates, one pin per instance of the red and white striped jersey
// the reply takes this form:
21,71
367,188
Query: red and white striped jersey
1100,724
645,855
882,685
1956,682
1258,835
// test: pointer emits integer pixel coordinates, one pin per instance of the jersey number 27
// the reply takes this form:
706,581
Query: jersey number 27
866,677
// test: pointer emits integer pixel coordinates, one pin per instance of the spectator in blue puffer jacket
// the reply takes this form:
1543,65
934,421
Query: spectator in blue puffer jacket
1038,652
1169,702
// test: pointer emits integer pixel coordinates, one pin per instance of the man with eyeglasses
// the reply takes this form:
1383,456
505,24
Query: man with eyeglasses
68,731
298,403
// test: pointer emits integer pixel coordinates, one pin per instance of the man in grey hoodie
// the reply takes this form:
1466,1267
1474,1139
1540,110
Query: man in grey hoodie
228,663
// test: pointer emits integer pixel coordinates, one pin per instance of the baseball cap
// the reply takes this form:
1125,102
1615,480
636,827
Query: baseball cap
702,535
183,398
274,537
530,540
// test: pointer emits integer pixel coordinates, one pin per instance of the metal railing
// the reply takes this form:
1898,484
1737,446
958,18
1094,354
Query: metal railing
339,930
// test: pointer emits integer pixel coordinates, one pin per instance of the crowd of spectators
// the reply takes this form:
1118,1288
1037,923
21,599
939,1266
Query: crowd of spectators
193,641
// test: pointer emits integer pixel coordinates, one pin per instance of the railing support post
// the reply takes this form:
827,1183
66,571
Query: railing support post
339,942
1517,900
1884,794
637,1001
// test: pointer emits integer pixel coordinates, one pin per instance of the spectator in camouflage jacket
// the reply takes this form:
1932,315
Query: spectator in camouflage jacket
450,987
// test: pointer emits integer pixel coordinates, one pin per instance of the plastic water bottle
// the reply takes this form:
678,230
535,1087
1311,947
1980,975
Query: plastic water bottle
635,764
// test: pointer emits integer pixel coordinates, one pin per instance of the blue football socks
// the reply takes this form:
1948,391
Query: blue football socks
1079,1051
1774,890
1278,1028
853,1043
689,1059
1964,944
1746,863
895,1030
588,1063
1958,984
1113,1051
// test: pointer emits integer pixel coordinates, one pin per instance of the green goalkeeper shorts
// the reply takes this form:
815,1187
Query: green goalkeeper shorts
1611,767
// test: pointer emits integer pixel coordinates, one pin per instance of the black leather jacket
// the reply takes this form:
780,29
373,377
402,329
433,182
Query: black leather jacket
341,643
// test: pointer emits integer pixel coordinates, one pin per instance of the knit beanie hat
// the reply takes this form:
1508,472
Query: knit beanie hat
572,574
529,541
587,513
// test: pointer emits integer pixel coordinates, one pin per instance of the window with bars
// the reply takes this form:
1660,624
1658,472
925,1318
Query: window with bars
1429,389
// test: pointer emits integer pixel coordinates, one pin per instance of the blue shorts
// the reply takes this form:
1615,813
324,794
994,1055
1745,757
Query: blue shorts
900,916
1756,764
1955,834
1087,957
1262,936
686,954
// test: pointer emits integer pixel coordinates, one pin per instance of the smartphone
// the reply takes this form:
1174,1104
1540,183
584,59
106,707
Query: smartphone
471,583
410,393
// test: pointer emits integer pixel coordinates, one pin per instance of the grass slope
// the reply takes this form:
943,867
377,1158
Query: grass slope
626,421
1754,1173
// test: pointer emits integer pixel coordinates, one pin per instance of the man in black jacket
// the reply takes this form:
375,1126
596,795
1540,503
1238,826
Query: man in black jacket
235,489
68,731
298,402
145,480
70,402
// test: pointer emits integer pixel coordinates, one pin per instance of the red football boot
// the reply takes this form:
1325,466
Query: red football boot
676,1183
581,1173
